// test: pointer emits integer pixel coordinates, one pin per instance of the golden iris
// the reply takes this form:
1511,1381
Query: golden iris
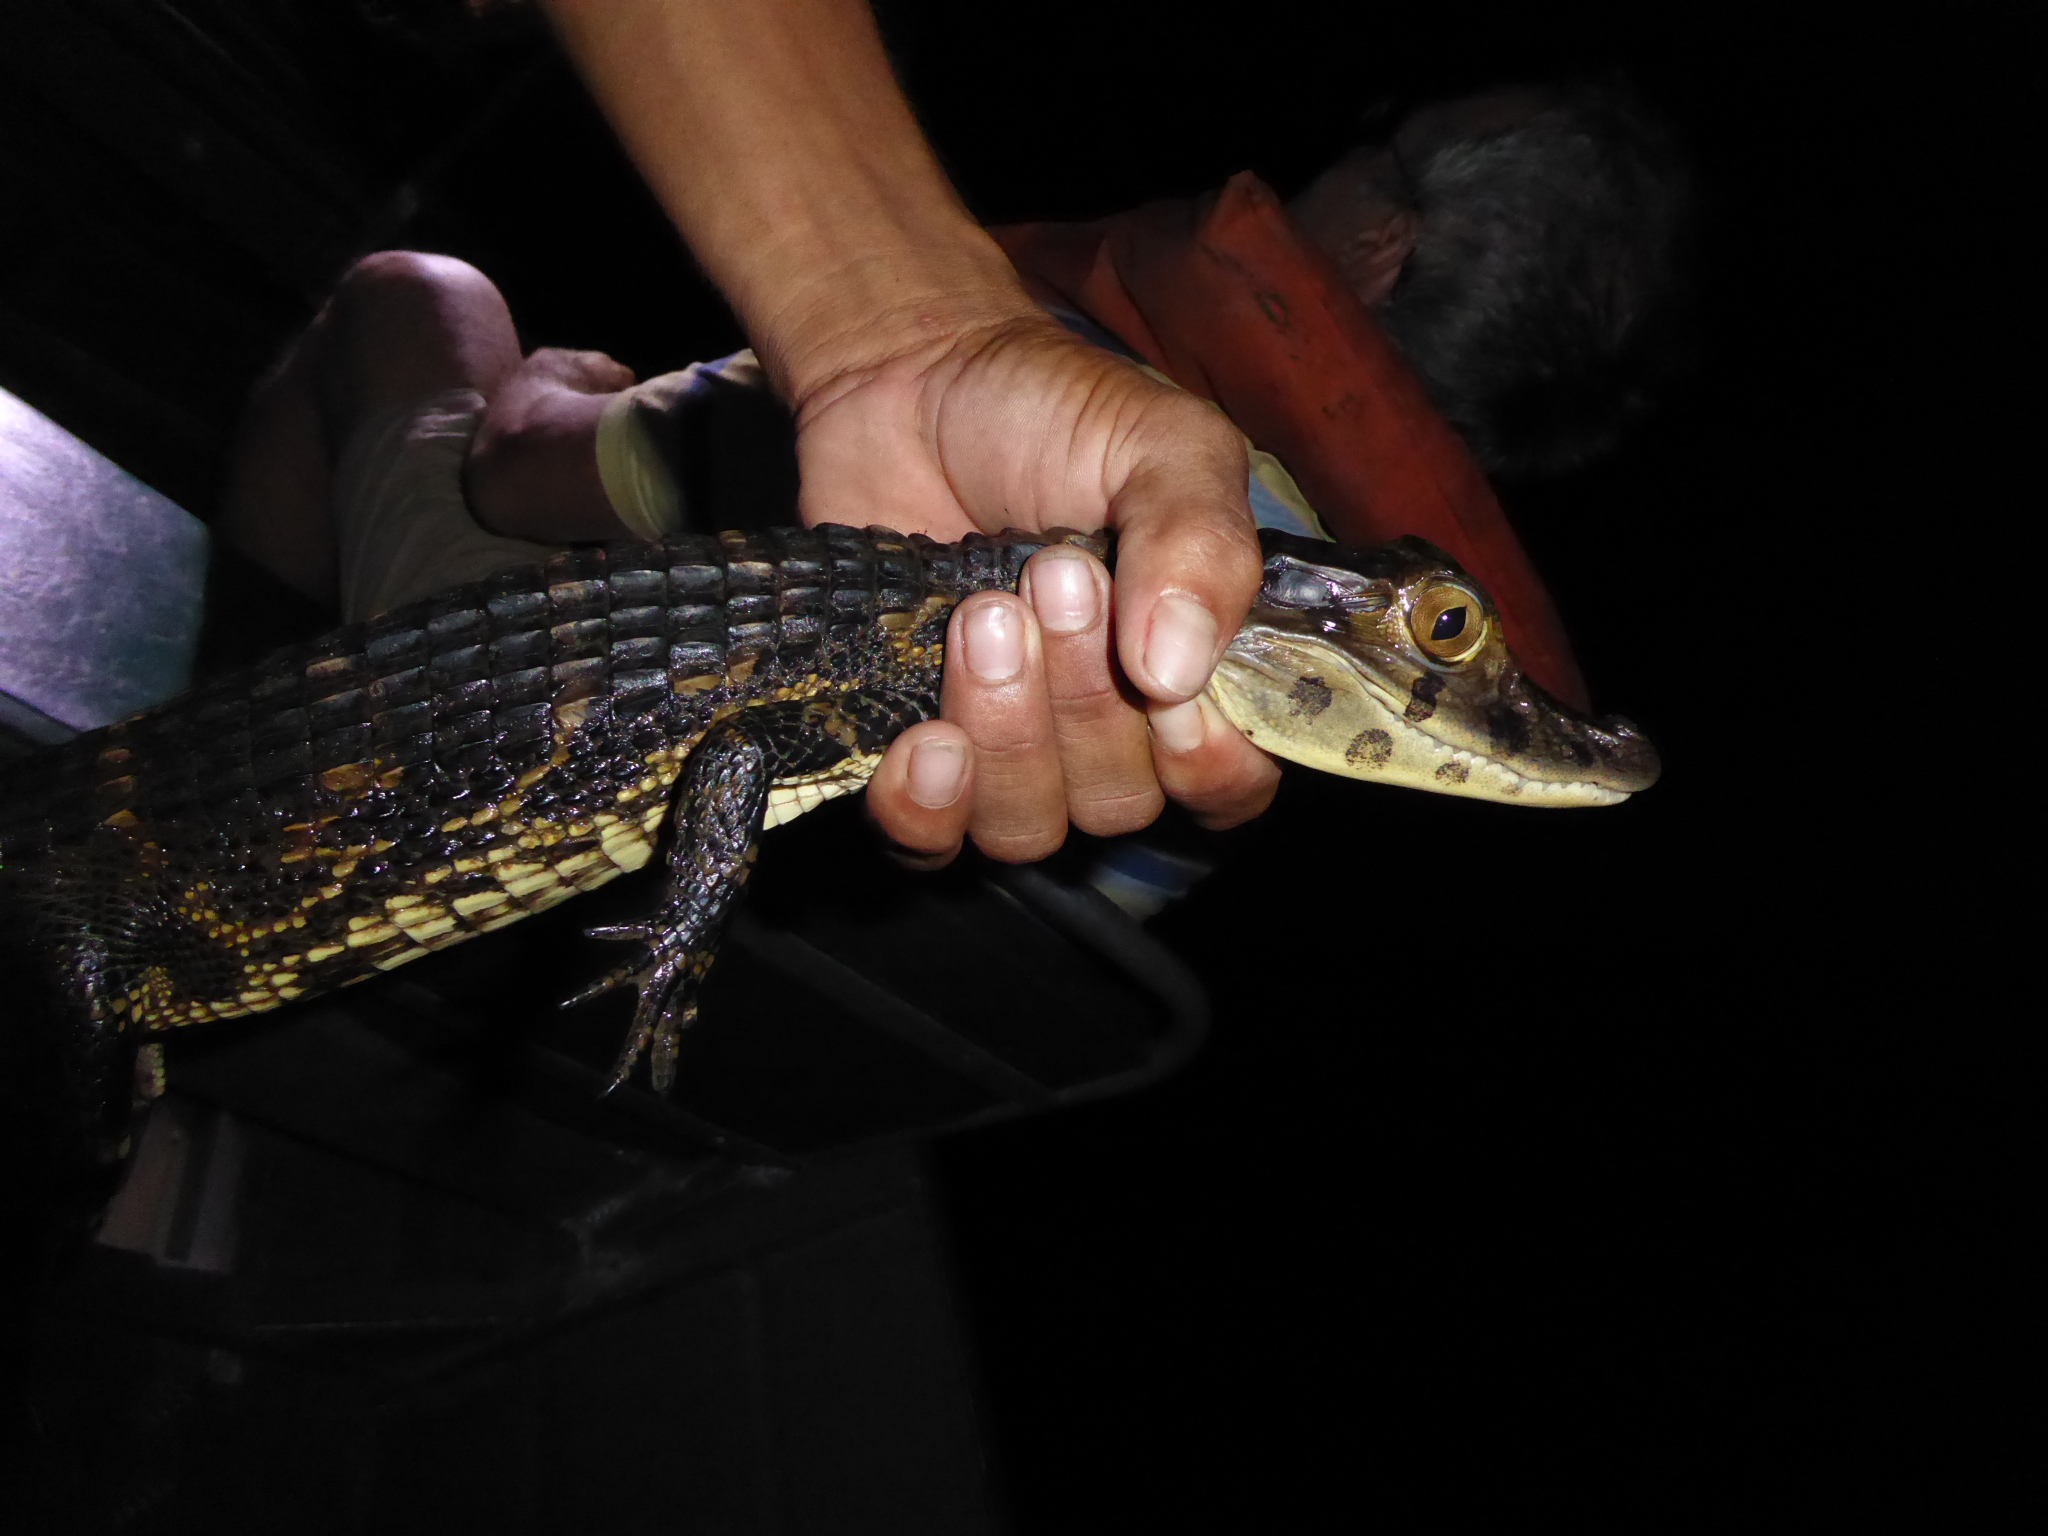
1448,620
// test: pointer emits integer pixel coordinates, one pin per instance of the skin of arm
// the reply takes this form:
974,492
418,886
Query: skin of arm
932,395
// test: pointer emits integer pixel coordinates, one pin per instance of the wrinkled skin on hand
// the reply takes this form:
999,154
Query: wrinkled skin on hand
1018,424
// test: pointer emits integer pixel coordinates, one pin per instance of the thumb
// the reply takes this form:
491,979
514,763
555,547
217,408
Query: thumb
1187,564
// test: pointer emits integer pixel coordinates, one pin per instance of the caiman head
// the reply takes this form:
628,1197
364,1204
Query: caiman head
1389,664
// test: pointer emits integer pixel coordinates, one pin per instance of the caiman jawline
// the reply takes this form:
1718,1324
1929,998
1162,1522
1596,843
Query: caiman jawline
1431,762
1397,708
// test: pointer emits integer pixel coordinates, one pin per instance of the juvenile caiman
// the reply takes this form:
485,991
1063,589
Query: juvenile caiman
448,768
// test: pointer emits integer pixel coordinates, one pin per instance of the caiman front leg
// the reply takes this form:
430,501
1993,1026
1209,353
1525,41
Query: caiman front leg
720,807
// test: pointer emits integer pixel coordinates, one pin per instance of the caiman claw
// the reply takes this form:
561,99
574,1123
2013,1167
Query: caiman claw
666,980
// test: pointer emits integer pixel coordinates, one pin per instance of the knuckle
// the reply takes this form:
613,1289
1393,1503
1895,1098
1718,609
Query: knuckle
1115,814
1022,847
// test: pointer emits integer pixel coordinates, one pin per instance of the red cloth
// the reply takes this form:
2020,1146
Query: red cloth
1227,299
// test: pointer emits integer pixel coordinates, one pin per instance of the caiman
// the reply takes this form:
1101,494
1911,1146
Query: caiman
448,768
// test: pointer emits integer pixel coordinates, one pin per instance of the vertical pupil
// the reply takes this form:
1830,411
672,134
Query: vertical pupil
1449,624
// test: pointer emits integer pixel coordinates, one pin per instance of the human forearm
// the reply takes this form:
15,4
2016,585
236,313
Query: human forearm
774,135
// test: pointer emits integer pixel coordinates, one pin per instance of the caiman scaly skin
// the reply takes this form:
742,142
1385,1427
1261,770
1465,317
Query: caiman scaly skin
451,767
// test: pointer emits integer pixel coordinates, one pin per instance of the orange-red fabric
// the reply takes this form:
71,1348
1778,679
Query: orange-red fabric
1227,299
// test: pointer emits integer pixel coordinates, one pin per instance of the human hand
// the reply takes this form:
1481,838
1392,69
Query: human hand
531,472
1014,423
581,372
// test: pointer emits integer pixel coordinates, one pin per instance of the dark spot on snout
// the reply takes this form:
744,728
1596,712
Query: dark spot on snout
1507,730
1310,696
1454,773
1422,696
1373,748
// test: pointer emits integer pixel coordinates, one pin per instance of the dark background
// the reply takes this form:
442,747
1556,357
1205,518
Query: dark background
1578,1165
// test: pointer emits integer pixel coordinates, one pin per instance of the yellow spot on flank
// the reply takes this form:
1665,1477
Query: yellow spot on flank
320,952
343,870
400,903
351,779
436,876
387,962
482,901
376,935
532,776
455,824
538,881
629,853
420,933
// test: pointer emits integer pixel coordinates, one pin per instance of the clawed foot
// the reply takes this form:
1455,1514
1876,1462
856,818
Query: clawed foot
666,977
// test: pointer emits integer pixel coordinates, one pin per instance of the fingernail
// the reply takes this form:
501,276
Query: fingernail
1181,646
1179,727
1063,591
993,636
937,770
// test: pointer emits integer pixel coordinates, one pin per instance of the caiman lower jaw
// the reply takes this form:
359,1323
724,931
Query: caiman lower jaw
1347,724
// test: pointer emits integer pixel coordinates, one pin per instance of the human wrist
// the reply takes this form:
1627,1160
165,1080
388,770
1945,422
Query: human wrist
847,314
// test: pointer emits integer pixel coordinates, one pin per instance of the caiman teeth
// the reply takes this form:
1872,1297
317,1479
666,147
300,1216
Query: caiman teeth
1460,763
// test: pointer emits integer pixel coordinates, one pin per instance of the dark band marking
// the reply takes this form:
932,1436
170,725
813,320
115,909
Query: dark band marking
1422,696
1310,696
1373,748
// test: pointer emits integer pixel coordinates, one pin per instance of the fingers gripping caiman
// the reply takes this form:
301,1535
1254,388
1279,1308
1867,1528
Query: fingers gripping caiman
451,767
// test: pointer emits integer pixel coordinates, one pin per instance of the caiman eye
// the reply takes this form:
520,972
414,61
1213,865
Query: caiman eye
1449,622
